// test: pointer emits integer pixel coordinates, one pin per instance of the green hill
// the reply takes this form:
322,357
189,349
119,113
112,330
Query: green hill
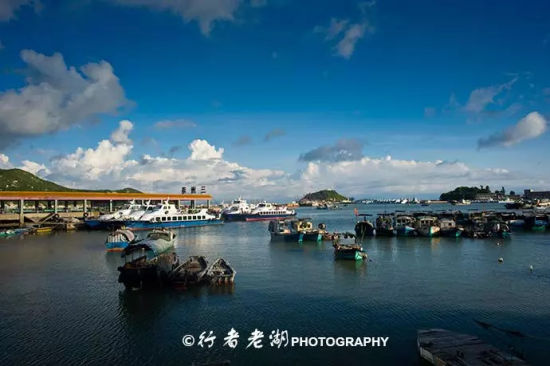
324,195
21,180
466,193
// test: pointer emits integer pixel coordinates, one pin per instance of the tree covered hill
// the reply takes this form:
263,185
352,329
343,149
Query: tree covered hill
466,193
324,195
21,180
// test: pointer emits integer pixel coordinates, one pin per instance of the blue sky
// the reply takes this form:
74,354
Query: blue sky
460,88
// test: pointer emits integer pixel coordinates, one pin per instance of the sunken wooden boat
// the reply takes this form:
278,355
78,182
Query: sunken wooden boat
442,347
189,273
147,263
220,273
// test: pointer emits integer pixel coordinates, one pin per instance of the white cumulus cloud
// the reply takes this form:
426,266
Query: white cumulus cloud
529,127
57,96
4,161
202,150
35,168
120,135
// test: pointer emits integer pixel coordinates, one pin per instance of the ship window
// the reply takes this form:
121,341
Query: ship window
175,218
158,218
163,218
204,217
194,217
179,218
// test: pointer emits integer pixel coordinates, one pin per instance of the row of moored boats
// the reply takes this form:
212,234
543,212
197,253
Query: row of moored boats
485,224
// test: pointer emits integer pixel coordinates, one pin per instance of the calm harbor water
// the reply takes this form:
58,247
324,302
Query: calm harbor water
60,301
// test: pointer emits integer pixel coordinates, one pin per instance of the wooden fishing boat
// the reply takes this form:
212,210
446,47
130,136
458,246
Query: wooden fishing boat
296,230
364,227
404,225
442,347
189,273
220,273
427,226
384,225
351,251
449,229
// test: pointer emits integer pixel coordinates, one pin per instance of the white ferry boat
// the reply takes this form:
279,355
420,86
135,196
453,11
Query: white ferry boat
115,219
236,209
263,211
166,215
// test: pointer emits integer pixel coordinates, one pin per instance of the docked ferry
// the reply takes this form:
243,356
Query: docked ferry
263,211
236,209
131,211
166,215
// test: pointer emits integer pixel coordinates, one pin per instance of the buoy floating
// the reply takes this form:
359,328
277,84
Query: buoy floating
500,260
531,268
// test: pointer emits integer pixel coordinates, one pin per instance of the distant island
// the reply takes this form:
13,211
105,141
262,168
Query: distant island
21,180
326,195
474,193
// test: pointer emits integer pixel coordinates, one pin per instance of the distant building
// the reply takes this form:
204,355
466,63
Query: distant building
534,195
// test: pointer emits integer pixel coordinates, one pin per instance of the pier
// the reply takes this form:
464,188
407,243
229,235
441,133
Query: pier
35,207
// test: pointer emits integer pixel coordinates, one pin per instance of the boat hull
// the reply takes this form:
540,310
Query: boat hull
297,237
116,246
384,231
452,233
364,228
429,231
94,224
146,225
353,255
405,231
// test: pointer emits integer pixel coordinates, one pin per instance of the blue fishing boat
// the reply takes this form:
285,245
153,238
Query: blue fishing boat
119,239
297,231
